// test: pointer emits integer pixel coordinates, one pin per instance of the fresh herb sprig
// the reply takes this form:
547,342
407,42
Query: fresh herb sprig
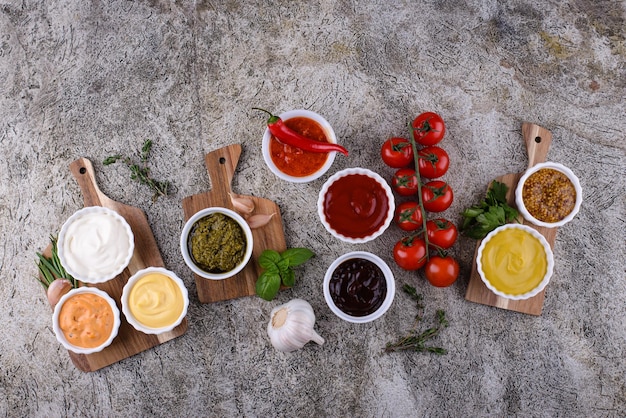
492,212
278,269
414,341
51,269
141,172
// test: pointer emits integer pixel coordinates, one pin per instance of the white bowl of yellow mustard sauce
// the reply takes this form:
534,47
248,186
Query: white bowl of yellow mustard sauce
515,261
86,320
549,195
154,300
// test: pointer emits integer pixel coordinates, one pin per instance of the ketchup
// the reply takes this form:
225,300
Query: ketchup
356,205
358,287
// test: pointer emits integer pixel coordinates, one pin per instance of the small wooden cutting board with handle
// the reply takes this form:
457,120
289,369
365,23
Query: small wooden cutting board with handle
538,142
128,341
221,165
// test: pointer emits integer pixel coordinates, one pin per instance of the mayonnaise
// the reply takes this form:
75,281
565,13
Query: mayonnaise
155,300
514,261
86,320
95,244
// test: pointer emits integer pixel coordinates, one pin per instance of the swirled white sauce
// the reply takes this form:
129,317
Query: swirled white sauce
96,245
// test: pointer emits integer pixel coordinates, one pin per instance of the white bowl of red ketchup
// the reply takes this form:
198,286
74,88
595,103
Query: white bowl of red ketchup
293,164
356,205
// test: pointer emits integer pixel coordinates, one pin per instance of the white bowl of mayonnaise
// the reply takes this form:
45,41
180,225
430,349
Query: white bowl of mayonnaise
95,244
154,300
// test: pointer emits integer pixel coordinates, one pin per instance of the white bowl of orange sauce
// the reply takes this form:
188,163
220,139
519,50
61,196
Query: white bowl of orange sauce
86,320
515,261
356,205
154,300
293,164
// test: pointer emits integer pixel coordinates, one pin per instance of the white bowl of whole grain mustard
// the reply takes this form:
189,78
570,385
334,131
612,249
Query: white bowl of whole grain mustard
216,243
154,300
515,261
86,320
95,244
549,195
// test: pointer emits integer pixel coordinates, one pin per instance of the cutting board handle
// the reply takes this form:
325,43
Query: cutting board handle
83,172
221,164
537,141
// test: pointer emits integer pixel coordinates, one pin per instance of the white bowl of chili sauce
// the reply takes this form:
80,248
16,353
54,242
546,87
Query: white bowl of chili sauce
548,194
356,205
359,287
293,164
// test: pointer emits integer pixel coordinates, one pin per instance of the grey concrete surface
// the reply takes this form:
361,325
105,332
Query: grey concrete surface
90,79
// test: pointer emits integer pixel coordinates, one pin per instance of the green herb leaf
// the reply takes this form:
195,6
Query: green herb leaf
297,256
492,212
288,277
269,259
267,285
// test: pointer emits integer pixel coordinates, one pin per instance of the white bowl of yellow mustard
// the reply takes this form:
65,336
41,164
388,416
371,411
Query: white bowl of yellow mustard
86,320
154,300
515,261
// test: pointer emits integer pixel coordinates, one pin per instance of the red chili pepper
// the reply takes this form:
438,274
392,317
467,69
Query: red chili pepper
287,136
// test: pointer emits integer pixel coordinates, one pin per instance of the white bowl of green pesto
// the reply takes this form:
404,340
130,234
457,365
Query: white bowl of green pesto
216,243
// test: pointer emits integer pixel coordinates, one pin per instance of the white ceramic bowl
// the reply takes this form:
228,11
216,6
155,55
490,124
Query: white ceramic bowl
95,244
520,201
549,260
358,193
59,332
160,293
330,134
390,281
185,249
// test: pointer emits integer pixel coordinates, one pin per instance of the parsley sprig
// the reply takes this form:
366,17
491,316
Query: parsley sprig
492,212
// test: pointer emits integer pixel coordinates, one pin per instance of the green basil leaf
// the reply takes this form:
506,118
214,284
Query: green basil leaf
297,256
288,278
268,259
283,266
267,285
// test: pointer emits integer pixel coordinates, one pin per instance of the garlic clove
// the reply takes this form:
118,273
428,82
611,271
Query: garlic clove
243,205
260,220
57,289
291,326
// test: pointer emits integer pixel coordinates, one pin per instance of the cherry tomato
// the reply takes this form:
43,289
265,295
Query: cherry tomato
410,253
404,182
408,216
397,152
441,233
428,128
433,162
437,196
441,271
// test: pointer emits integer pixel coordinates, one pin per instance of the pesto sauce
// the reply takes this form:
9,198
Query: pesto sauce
217,243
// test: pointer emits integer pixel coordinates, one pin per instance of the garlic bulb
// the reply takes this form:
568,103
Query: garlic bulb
259,221
291,326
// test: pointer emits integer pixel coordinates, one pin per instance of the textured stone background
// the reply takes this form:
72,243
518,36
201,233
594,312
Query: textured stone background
90,79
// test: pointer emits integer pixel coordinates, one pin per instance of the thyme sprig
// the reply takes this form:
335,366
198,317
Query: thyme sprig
414,341
141,172
51,269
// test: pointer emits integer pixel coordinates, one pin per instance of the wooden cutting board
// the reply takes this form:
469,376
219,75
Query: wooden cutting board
221,165
538,142
128,341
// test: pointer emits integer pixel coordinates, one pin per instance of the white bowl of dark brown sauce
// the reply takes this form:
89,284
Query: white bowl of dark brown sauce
359,287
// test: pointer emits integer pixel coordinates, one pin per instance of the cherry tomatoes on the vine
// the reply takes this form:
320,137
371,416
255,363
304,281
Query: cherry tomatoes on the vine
433,162
410,253
405,182
437,196
409,216
428,128
397,152
441,233
441,271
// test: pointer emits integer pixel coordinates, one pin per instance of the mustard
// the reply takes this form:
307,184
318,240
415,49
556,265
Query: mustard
155,300
514,261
